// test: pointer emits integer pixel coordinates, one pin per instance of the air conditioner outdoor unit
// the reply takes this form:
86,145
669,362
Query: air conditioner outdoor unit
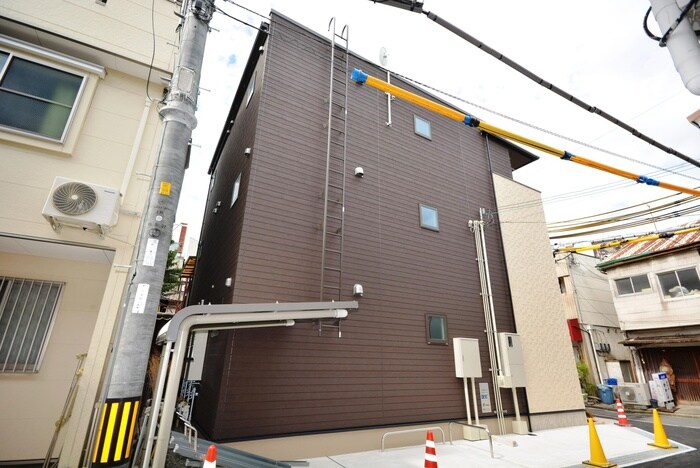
85,206
634,393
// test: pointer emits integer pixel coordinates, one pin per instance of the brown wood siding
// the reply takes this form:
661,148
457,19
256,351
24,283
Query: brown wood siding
382,371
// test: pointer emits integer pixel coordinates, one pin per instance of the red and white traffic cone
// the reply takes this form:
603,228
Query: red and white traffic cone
210,460
621,416
430,454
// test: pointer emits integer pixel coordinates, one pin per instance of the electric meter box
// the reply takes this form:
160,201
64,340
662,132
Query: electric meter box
467,357
512,361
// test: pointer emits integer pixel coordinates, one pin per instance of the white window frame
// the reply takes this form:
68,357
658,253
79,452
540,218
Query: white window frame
630,278
25,309
427,136
683,295
55,60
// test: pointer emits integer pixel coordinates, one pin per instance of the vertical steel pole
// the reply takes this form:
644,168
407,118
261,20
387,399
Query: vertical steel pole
115,432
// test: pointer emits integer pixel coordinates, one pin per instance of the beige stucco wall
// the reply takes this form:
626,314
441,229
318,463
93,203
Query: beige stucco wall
550,370
99,144
31,403
122,27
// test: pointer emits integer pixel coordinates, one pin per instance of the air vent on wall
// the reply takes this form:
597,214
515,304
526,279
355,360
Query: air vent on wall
78,204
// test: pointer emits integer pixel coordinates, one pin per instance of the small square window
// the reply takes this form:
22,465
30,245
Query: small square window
429,217
436,329
422,127
236,189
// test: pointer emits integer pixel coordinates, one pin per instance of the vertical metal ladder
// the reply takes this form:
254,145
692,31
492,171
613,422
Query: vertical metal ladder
334,188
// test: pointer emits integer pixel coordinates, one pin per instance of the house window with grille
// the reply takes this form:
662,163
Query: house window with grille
27,311
35,98
679,283
632,285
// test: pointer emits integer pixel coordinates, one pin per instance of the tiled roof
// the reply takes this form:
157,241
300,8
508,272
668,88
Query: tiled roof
660,245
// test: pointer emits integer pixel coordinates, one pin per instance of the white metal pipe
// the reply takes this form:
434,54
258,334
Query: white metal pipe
155,402
135,147
466,399
476,408
251,319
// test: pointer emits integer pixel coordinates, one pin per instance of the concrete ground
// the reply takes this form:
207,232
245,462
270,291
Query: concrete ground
564,447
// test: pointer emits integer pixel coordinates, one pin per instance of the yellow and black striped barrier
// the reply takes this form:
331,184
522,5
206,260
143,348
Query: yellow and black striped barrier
116,431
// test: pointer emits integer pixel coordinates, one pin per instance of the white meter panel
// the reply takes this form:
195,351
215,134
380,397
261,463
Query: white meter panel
467,357
511,360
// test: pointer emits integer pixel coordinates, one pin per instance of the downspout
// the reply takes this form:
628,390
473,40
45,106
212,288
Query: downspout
587,330
138,138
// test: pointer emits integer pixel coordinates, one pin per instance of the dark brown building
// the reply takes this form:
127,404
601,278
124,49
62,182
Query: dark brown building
404,237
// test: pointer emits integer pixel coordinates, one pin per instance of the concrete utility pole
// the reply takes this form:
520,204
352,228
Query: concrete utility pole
113,434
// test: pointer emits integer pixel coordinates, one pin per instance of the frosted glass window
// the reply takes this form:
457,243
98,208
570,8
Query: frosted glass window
429,217
436,329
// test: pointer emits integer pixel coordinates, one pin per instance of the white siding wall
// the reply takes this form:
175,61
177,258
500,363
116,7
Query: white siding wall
650,310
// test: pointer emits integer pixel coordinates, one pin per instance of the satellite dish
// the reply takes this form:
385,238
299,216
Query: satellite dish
383,56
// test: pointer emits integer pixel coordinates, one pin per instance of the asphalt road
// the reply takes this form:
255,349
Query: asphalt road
681,429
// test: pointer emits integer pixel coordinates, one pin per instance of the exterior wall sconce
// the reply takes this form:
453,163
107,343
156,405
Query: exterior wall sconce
359,172
357,290
248,151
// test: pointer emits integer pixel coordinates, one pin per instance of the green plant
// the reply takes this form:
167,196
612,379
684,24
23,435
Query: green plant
582,370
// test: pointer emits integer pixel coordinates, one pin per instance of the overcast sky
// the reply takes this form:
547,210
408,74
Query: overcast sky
596,50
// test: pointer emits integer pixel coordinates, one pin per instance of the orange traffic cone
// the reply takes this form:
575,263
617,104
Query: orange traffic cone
597,455
621,416
430,454
210,460
660,439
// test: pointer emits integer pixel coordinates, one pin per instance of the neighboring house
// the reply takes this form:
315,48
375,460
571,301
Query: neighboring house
593,327
397,210
656,289
73,105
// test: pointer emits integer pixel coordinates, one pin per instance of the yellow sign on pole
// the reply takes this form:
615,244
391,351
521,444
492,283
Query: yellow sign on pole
165,188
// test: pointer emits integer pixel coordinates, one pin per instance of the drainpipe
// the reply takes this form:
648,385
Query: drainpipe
593,352
135,149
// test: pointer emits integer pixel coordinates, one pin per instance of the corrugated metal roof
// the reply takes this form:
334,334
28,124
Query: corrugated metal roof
663,244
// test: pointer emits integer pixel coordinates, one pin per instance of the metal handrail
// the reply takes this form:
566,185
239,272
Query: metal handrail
420,429
477,426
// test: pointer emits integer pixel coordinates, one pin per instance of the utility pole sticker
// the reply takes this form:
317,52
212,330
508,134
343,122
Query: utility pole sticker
149,256
165,188
484,397
140,298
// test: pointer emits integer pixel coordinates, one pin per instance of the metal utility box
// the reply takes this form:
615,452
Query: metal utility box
467,358
511,361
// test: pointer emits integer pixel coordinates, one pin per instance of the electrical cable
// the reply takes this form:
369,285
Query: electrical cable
645,25
541,129
153,48
568,96
684,13
236,19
